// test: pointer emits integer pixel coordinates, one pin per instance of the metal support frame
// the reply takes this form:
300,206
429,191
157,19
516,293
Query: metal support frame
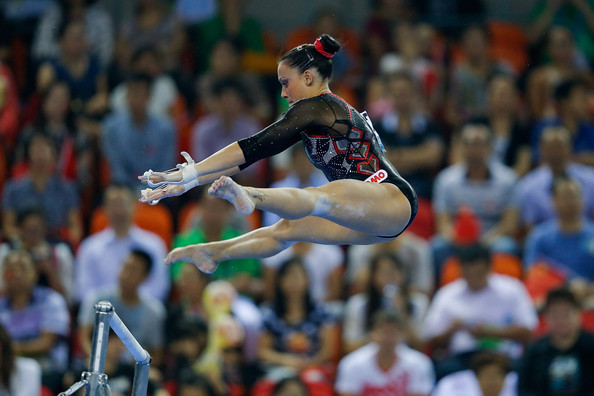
95,380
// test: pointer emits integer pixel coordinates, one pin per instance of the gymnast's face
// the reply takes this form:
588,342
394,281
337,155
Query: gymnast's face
295,85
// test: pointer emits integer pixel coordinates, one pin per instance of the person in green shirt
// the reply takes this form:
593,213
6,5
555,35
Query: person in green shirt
215,224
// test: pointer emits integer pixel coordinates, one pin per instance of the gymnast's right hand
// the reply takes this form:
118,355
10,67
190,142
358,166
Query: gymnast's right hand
156,179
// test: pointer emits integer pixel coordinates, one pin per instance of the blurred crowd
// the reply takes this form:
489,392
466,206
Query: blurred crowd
489,292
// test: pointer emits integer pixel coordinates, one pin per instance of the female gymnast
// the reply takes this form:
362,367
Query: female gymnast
365,202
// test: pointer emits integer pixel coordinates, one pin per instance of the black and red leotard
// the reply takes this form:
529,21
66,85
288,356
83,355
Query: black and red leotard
339,141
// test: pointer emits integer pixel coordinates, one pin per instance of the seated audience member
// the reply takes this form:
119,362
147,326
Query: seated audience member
18,375
387,286
562,64
101,255
290,386
412,251
562,362
469,78
573,113
81,70
53,259
297,333
143,315
136,140
511,136
575,16
186,341
226,63
489,375
534,198
323,264
164,92
193,384
480,184
190,285
565,243
214,225
44,188
412,140
229,121
300,173
386,365
99,29
36,317
479,311
56,119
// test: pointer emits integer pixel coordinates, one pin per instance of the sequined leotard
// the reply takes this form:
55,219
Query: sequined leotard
339,141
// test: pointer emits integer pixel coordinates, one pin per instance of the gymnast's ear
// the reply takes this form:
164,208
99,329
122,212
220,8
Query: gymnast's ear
308,77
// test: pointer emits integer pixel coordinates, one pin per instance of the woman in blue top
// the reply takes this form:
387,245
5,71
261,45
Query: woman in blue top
366,201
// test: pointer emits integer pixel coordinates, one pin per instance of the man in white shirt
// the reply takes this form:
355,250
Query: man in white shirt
385,366
101,255
479,311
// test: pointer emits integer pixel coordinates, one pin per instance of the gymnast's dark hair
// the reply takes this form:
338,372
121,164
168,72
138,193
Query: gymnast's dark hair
307,56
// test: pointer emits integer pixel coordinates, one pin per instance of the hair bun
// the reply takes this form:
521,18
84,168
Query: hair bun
327,45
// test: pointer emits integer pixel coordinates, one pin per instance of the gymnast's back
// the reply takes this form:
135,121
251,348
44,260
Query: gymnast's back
339,140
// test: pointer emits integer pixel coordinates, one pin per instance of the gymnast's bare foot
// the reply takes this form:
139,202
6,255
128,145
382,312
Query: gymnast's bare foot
195,254
226,188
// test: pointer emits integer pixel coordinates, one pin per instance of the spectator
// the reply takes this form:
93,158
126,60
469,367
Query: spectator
297,332
290,386
56,119
482,185
577,16
226,63
468,83
480,310
541,81
164,93
137,140
215,225
143,315
489,376
385,366
511,137
154,25
412,140
534,198
43,188
565,242
387,286
100,256
53,260
18,375
192,384
571,100
98,23
412,251
78,68
36,318
324,270
230,21
561,362
229,121
185,343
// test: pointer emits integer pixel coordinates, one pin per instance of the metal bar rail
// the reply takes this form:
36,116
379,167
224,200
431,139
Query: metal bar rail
95,380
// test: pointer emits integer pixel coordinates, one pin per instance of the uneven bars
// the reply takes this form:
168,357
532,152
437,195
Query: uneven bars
140,354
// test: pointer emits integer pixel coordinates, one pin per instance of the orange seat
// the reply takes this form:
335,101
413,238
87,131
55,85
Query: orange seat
508,42
502,263
156,219
187,216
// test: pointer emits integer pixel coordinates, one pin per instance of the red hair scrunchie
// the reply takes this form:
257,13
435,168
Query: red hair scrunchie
320,48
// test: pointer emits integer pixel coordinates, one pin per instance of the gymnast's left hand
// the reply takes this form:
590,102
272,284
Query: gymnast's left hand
153,196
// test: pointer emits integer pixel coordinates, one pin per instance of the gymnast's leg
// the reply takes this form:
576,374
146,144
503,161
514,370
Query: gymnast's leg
268,241
374,209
